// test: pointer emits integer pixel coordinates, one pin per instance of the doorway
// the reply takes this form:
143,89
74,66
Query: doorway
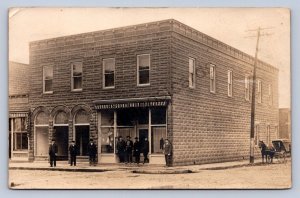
82,139
61,138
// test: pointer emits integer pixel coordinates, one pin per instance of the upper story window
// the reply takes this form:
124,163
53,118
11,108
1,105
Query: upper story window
109,73
212,78
143,69
229,82
259,93
270,93
247,88
76,81
47,79
191,72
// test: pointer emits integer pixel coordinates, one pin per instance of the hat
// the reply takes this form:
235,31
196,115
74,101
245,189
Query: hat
53,139
136,138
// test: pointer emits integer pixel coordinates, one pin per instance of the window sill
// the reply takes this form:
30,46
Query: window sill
143,85
76,90
47,93
108,87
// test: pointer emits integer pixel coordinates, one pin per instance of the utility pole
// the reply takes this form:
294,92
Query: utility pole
252,123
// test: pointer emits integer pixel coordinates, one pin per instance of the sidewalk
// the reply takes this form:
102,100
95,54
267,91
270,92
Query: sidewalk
142,168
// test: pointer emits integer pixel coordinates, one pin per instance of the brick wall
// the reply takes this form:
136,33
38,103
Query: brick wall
212,127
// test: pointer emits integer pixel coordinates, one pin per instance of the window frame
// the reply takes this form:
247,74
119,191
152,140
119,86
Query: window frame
247,87
44,80
72,77
138,71
103,74
192,84
259,91
270,94
212,79
229,83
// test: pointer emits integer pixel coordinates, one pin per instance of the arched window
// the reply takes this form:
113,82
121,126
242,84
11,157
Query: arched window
41,125
61,118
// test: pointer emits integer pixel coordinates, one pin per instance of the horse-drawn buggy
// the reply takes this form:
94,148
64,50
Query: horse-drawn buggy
280,150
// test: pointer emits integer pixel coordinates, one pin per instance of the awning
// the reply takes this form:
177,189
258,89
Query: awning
18,114
132,102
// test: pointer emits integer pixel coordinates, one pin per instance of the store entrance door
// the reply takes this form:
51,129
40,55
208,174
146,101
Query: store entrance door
61,138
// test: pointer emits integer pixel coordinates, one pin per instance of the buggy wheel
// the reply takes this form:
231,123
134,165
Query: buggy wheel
284,157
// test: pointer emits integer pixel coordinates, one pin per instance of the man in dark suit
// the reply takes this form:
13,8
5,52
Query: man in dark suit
53,153
92,151
137,150
73,153
121,147
145,150
129,147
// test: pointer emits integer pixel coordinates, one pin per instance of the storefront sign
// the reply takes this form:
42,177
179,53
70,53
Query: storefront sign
131,105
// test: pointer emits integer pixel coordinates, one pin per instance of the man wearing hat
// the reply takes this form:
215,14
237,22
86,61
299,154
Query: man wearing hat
129,147
73,153
53,153
137,150
92,151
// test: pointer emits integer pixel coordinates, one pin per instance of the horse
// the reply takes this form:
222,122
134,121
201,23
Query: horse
266,152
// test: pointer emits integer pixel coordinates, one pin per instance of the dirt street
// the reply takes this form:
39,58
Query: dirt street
264,176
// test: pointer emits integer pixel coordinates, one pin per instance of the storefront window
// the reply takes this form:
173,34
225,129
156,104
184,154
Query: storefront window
158,116
107,131
20,140
158,129
158,135
41,134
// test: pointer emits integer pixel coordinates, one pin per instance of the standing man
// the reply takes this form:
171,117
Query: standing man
53,153
145,150
129,147
121,147
168,152
137,150
73,153
92,151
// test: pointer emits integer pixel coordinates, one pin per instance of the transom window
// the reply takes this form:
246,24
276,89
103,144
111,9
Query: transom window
47,79
212,78
191,72
109,73
76,76
229,81
143,69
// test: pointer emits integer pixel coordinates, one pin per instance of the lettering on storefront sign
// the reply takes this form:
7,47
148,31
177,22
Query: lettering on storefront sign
131,105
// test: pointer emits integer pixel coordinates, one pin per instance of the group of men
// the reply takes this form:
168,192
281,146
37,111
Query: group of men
125,149
91,148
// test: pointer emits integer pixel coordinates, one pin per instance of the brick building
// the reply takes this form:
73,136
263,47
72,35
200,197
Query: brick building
18,110
158,80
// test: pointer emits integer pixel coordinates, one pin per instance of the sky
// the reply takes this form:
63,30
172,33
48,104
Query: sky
228,25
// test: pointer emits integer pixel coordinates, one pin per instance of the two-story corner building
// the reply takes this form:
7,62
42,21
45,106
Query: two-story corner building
158,80
18,110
